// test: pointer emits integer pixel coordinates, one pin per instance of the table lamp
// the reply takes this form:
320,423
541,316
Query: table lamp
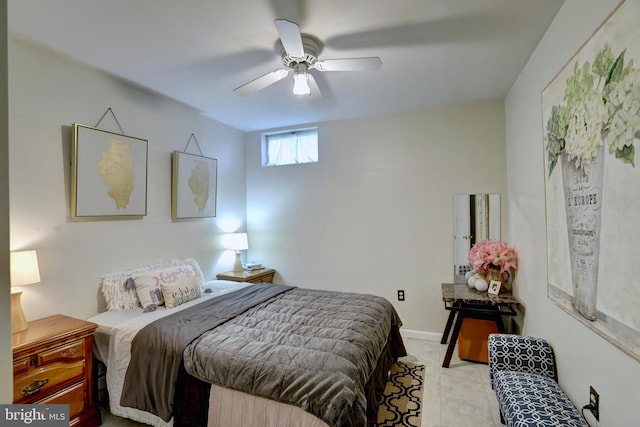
236,242
24,271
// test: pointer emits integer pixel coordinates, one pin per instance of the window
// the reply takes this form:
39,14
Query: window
290,148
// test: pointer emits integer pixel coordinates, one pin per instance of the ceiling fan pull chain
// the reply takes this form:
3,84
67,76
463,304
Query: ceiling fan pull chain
193,136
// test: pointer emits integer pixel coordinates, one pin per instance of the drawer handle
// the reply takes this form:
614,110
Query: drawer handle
34,387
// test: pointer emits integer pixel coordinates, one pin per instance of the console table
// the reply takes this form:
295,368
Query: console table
464,302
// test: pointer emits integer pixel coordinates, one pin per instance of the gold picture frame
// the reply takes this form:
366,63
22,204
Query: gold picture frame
108,174
194,182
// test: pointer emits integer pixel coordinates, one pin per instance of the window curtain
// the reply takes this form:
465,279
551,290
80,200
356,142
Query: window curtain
292,148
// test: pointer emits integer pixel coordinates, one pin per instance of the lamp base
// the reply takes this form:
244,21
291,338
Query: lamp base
18,320
237,266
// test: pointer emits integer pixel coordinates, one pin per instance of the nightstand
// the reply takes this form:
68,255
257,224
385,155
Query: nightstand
264,275
52,364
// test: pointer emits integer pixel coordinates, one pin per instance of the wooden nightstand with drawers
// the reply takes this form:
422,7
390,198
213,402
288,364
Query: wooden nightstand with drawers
264,275
52,364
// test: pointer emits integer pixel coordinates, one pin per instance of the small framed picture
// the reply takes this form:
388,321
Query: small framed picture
494,287
194,186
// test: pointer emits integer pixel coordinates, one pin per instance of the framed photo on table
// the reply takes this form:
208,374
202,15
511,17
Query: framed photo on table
194,183
494,287
108,174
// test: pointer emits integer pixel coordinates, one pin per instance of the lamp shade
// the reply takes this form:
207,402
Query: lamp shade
235,241
24,268
24,271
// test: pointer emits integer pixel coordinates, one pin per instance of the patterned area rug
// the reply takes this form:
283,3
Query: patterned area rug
402,404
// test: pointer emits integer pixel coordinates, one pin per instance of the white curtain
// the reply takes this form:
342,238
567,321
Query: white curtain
292,148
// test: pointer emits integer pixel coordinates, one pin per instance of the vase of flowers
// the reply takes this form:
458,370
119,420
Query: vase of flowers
496,261
601,111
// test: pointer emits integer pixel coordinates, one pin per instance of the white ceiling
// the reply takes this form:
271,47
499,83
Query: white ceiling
434,52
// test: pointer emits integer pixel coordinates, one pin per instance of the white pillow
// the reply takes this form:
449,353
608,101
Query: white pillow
147,285
121,297
117,295
179,292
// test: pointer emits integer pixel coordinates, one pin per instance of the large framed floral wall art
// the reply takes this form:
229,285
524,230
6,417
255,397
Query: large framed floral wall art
591,119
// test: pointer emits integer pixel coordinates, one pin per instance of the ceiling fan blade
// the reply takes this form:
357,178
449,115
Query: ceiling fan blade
313,86
293,10
349,64
290,36
261,82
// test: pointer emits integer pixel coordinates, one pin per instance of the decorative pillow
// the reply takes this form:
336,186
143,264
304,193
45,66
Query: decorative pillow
148,287
119,297
148,284
116,294
177,293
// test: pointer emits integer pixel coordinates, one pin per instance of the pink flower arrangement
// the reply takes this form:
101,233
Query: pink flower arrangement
491,254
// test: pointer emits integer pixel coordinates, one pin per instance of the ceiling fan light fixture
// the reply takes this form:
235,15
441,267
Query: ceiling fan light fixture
300,79
300,84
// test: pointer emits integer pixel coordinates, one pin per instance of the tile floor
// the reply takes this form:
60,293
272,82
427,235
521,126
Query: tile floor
458,396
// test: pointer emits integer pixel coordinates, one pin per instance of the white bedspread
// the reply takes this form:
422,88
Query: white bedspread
121,327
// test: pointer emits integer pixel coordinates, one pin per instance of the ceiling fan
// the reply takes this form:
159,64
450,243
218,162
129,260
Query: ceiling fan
300,56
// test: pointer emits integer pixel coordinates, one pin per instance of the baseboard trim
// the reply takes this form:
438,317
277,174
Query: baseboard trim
421,335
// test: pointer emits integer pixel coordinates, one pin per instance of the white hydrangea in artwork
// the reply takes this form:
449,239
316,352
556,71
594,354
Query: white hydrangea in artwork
601,103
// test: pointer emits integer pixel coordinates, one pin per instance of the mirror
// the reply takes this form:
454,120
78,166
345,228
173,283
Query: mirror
476,217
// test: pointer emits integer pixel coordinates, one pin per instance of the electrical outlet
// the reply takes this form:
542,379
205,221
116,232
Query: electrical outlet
400,295
594,403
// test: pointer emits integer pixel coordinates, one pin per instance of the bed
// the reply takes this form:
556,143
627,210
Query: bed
237,354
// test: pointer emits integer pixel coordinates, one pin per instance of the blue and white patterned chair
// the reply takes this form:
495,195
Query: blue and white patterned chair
523,373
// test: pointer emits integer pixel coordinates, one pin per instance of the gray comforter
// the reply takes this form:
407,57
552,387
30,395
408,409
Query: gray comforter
156,350
310,348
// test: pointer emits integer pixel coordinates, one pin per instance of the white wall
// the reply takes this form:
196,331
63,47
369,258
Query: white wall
376,213
584,358
6,373
48,93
